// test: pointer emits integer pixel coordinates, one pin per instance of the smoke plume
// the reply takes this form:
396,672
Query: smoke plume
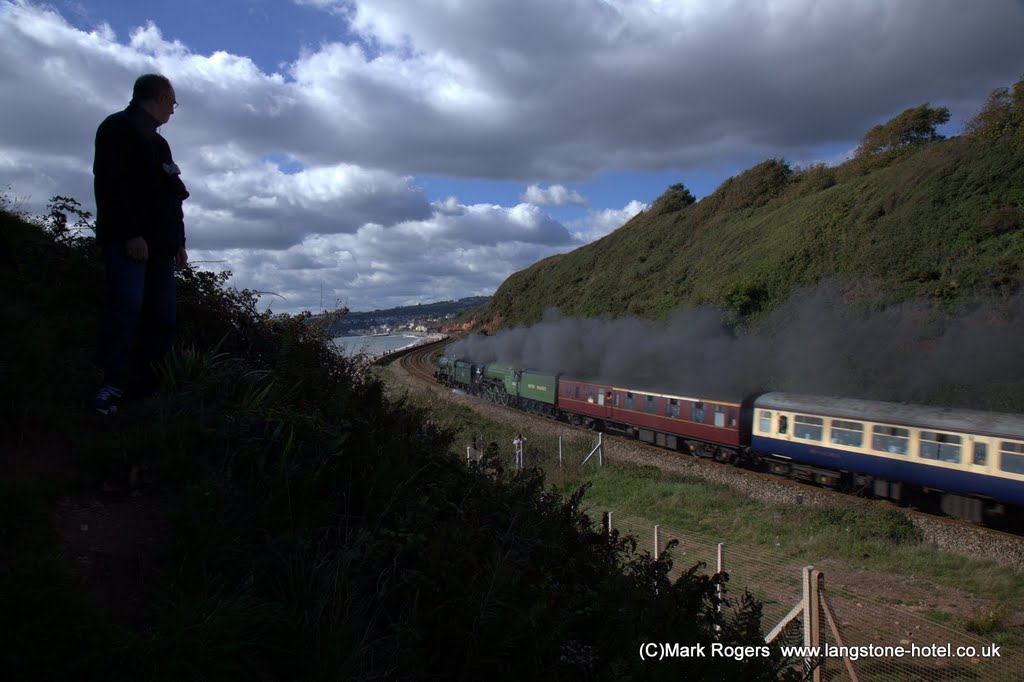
916,351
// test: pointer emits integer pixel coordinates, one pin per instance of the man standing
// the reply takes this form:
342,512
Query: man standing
140,227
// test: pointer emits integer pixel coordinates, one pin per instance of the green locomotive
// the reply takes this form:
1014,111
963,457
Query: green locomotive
502,383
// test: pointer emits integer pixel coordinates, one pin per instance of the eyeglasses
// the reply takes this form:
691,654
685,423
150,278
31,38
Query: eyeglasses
175,106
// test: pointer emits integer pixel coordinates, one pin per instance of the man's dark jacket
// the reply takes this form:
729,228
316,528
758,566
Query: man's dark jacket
138,187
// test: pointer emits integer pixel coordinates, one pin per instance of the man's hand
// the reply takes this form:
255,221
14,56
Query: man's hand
137,249
181,258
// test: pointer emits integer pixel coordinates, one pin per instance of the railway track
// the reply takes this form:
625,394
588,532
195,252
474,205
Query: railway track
416,361
949,533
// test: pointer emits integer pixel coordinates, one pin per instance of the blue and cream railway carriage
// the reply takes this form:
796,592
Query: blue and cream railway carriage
973,459
970,462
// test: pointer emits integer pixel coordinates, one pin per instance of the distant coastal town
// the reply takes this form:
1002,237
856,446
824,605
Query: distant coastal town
417,319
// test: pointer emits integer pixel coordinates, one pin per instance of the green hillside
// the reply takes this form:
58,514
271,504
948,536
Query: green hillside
911,215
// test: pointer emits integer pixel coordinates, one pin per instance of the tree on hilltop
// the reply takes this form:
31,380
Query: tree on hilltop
913,127
1003,111
680,193
675,198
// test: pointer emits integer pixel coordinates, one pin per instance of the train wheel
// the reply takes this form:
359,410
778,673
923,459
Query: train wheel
725,456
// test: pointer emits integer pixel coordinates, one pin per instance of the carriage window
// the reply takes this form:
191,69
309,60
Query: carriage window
847,433
568,391
673,408
577,393
719,416
890,439
1011,457
732,417
944,447
629,401
615,398
783,423
808,428
698,413
649,407
764,424
590,396
980,454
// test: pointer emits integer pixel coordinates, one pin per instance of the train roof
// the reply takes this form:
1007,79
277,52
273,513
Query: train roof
697,398
974,421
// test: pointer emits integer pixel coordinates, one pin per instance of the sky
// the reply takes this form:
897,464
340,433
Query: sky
385,153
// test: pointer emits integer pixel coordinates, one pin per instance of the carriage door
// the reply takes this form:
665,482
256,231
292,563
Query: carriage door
979,453
720,416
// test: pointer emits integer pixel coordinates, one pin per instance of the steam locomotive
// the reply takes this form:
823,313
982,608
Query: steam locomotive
968,461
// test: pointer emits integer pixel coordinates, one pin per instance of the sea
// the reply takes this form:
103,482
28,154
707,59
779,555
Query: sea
374,346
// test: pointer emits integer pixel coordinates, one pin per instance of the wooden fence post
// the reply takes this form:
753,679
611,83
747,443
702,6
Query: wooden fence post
808,606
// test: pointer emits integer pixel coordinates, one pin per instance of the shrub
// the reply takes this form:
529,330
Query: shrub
752,188
1000,221
1002,113
675,199
912,127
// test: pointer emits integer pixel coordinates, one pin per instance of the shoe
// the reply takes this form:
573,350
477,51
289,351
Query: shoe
106,399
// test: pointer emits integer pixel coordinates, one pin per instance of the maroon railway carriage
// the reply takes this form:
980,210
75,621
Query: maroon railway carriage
710,428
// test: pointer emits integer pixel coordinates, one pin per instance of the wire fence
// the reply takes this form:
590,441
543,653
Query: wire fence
871,631
881,640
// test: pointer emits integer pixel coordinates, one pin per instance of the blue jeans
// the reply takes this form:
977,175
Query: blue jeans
137,292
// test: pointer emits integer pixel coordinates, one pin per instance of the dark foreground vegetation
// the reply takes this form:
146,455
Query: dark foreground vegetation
290,522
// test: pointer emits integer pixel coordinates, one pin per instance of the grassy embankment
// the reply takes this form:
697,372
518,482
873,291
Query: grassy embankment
862,536
292,522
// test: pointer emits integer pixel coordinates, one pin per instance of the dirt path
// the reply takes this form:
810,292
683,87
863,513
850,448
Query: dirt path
112,534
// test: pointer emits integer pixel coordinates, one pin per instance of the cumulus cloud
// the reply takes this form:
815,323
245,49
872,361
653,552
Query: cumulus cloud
491,224
535,89
457,251
269,199
556,195
597,224
308,172
257,204
651,83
